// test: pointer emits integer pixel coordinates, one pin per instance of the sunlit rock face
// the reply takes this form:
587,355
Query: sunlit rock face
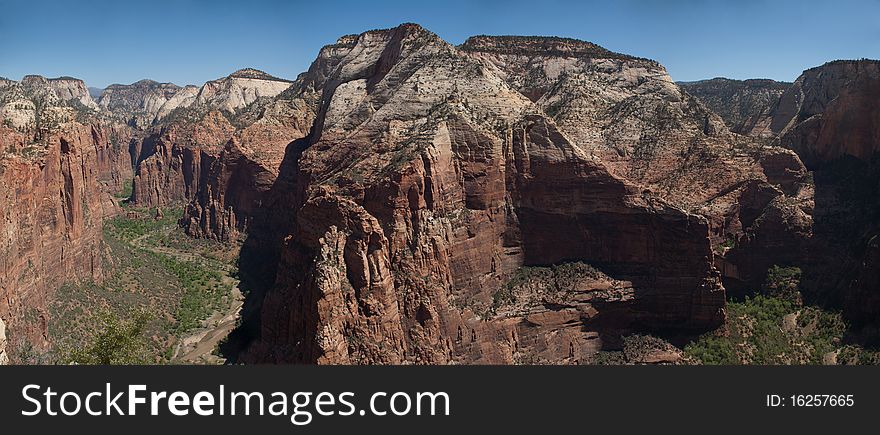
432,175
745,105
60,164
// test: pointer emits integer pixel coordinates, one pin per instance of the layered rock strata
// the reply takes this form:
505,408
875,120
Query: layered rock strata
59,165
745,105
429,179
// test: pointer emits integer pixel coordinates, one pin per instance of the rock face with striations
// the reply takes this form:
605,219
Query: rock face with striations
745,105
143,103
239,89
233,131
820,215
430,178
831,118
831,111
235,180
510,200
59,165
628,113
219,163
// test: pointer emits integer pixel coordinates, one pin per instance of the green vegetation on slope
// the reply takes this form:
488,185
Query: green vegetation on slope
120,340
150,266
774,328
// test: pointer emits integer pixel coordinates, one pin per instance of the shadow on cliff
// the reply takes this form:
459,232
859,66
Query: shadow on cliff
260,253
842,269
839,259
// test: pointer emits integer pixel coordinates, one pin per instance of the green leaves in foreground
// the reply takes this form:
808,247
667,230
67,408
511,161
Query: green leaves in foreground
119,340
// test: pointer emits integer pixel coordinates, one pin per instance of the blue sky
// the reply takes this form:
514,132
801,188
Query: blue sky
191,41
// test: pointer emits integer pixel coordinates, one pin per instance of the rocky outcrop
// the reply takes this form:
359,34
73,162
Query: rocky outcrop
831,119
169,165
776,231
143,103
510,200
193,128
629,113
56,179
183,160
36,105
235,181
745,105
239,89
67,89
824,220
830,112
146,102
427,182
54,203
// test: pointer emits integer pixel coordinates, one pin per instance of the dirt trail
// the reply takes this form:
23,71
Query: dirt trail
198,346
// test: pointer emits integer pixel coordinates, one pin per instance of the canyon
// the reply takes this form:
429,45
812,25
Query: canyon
511,200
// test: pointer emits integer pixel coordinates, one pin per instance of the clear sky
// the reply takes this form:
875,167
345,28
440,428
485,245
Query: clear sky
191,41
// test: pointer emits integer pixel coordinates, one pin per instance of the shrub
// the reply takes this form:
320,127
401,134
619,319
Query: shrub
119,341
770,330
783,282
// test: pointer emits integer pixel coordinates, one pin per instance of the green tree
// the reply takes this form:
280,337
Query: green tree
118,341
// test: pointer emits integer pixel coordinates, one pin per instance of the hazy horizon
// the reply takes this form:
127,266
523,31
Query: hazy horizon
193,41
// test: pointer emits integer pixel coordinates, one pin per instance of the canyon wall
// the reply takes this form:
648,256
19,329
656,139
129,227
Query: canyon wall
430,179
509,200
833,123
59,167
54,204
820,213
219,151
143,103
745,105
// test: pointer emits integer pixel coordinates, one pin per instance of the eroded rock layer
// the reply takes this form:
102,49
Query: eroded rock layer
59,165
832,120
220,151
819,215
745,105
510,200
430,178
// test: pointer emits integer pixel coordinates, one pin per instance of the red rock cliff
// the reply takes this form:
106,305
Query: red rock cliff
426,183
54,198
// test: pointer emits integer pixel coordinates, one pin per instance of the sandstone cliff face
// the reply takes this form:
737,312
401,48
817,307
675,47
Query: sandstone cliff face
831,112
745,105
66,88
57,173
629,113
36,105
427,182
831,119
776,222
235,181
221,152
824,220
239,89
53,205
511,200
145,102
169,164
